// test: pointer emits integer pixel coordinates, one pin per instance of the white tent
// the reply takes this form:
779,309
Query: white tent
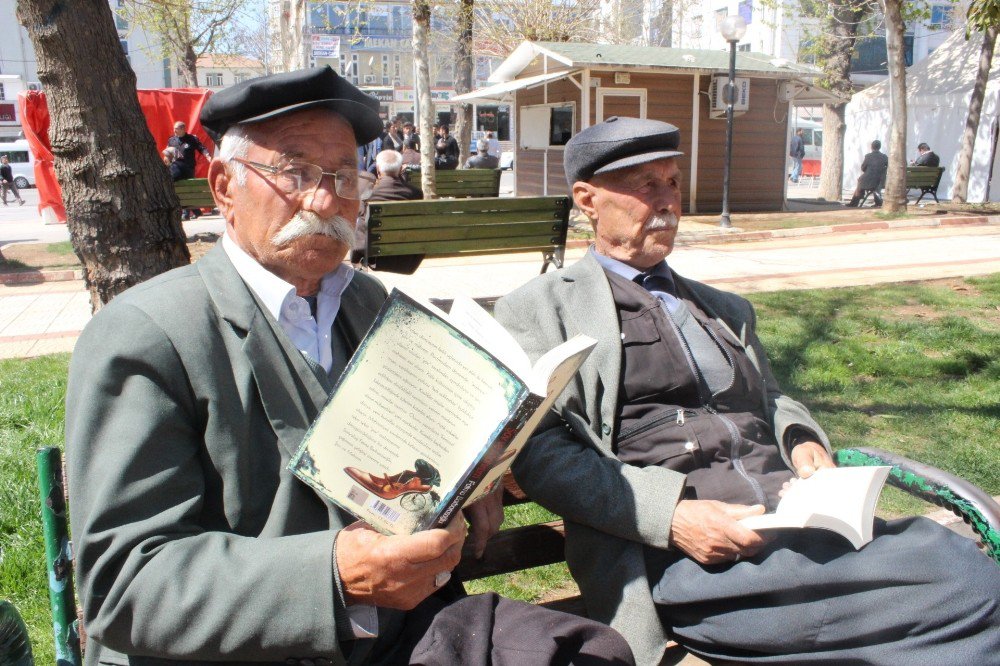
937,100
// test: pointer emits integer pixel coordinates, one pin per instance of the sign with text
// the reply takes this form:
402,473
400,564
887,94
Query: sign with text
325,46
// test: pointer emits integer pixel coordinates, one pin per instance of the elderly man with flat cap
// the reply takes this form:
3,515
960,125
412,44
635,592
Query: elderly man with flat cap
187,395
675,429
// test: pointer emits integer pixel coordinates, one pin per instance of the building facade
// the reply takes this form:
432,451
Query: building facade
19,69
217,71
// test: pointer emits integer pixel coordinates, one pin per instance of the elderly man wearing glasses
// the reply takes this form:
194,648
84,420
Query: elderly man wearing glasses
187,395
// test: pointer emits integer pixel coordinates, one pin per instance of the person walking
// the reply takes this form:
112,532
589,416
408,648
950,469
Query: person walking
7,181
797,151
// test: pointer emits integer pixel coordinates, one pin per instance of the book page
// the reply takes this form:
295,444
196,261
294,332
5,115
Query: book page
475,322
414,409
841,499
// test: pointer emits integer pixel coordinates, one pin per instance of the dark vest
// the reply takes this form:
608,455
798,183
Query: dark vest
666,415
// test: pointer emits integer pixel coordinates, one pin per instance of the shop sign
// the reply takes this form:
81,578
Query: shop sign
325,46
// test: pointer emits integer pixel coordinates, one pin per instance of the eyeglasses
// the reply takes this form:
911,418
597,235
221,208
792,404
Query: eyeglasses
303,178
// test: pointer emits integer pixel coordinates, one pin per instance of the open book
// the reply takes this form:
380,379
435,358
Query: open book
429,413
841,499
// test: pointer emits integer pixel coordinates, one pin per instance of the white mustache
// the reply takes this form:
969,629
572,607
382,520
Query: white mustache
657,222
308,223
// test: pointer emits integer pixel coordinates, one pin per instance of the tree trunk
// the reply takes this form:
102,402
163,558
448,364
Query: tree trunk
187,67
895,181
960,188
425,122
290,24
463,76
123,214
839,36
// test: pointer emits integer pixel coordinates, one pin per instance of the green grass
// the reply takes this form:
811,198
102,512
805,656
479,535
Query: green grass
910,368
31,416
64,248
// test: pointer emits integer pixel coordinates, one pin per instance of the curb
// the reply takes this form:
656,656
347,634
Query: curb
38,277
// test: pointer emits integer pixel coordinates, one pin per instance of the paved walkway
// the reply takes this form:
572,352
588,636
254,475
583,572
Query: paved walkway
45,318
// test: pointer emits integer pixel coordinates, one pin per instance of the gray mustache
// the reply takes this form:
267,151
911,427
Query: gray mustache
662,222
308,223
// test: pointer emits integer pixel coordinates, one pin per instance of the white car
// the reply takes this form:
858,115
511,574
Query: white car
22,162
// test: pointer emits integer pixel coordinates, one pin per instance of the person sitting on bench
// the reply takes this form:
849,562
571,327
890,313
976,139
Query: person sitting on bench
927,156
675,429
872,178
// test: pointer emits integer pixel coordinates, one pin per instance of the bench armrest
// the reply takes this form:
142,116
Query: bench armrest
964,499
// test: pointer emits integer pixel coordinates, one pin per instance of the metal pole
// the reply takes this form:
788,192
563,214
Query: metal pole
58,558
724,220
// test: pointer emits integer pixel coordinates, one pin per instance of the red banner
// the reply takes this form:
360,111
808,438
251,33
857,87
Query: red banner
161,107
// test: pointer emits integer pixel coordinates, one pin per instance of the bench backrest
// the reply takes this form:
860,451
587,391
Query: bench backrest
194,193
923,176
461,183
472,226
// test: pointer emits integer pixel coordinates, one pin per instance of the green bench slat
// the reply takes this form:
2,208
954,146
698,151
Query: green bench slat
444,221
441,248
482,231
387,209
462,182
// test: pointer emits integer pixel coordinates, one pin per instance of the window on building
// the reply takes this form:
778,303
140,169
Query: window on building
742,47
871,57
213,79
547,125
240,78
720,15
3,93
353,73
396,66
941,17
343,64
120,21
124,43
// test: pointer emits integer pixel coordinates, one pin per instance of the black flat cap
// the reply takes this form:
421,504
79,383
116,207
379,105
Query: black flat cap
618,143
268,97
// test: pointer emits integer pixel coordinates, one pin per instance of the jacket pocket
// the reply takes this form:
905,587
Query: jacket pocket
665,438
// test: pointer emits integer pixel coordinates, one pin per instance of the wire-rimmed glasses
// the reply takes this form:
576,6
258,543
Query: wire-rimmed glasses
303,178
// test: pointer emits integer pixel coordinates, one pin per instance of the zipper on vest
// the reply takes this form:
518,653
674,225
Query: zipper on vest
659,420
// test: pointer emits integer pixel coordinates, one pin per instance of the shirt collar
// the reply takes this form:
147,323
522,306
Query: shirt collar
629,272
271,289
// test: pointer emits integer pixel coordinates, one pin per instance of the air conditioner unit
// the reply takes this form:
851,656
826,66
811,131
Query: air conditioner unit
34,85
717,94
369,79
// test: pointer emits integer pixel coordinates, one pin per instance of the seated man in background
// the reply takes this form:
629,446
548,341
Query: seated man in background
675,428
482,159
927,157
390,185
189,393
872,178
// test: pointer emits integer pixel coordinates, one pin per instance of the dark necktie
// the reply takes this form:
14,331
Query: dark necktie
660,286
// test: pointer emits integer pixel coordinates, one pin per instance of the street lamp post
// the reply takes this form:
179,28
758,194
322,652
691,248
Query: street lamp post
732,28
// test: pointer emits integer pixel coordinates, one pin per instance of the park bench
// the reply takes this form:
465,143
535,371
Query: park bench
925,178
402,233
194,193
461,183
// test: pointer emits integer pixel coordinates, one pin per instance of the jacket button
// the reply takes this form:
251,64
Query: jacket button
606,429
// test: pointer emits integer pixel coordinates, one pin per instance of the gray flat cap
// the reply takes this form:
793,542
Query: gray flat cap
618,143
267,97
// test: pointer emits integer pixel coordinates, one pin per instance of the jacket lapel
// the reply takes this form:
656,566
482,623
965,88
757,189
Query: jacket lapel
590,305
291,392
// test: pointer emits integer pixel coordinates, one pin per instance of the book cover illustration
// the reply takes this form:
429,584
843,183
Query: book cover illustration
415,412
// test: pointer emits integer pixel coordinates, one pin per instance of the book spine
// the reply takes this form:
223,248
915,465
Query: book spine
486,462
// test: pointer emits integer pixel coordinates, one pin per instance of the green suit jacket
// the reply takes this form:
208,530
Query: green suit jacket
193,542
612,509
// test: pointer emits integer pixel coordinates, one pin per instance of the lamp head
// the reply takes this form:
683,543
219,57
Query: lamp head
733,28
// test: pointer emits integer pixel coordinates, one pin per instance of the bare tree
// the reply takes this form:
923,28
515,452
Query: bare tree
252,38
895,184
834,46
422,85
463,75
503,24
984,16
187,29
123,214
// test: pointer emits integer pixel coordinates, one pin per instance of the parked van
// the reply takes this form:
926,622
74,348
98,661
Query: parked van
22,162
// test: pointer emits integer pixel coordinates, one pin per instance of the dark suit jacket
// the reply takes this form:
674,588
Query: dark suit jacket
394,189
185,402
873,171
929,158
482,161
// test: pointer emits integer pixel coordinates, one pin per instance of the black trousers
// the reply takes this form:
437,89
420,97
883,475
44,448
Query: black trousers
485,629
